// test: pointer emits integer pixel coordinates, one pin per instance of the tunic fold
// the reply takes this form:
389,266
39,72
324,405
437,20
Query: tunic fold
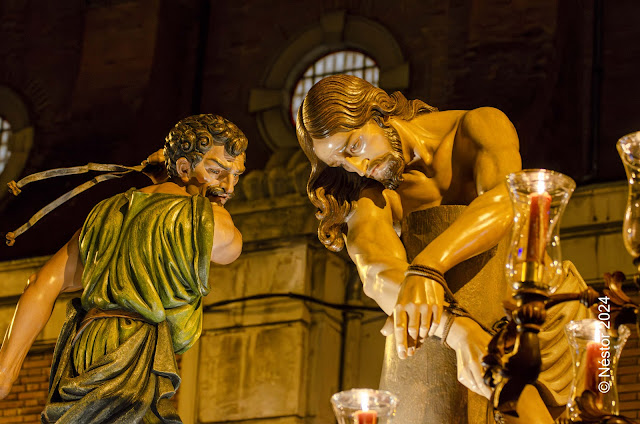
143,253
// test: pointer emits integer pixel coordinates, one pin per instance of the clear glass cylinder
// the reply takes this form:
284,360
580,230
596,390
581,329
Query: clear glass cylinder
364,406
595,351
539,197
629,151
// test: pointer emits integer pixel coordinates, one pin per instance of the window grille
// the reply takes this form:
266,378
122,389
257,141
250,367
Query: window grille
5,135
341,62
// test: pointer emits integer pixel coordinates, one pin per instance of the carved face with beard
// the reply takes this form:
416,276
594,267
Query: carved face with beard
373,151
214,177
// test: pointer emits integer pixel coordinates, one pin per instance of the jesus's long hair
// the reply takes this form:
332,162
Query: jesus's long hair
341,103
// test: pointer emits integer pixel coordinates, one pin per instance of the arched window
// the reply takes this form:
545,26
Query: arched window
309,56
341,62
16,136
5,135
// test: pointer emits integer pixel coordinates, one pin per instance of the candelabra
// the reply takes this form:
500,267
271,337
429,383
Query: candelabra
539,198
513,359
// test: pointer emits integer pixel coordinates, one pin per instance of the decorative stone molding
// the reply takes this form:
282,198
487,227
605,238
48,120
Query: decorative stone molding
285,174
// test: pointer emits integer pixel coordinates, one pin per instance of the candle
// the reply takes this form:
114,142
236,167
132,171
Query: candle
592,363
593,370
366,417
538,226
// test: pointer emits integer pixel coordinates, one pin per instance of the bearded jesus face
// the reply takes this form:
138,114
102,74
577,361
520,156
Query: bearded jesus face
370,151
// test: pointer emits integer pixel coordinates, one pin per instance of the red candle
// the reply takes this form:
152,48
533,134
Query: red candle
538,226
366,417
593,360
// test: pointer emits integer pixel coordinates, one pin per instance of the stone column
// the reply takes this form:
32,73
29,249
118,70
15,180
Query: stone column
427,383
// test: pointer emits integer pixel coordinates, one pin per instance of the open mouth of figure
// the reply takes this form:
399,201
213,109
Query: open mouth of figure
218,195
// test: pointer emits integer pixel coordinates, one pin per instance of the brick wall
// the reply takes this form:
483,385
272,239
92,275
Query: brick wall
29,393
629,378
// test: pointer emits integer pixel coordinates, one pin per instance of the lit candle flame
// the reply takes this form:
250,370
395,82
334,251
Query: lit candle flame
541,184
364,401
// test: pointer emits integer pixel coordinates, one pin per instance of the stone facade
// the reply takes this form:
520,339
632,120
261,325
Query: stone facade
104,81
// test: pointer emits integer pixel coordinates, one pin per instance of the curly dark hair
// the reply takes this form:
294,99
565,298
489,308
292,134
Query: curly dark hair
194,136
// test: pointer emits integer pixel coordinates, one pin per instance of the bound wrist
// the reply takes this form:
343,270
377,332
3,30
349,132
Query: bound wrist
432,274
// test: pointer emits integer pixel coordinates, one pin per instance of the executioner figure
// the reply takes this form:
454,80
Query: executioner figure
142,263
375,159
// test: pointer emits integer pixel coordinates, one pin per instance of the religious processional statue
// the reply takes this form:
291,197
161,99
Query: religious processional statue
142,262
381,166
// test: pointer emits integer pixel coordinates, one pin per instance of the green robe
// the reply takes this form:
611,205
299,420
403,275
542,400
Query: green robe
142,253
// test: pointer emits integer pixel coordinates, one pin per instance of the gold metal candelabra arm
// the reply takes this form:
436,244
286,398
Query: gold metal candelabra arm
588,298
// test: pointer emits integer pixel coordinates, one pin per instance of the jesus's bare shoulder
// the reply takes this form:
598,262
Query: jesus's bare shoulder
486,148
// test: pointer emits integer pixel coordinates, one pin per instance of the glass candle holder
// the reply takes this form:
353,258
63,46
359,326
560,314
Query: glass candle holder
364,406
595,351
629,151
539,197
